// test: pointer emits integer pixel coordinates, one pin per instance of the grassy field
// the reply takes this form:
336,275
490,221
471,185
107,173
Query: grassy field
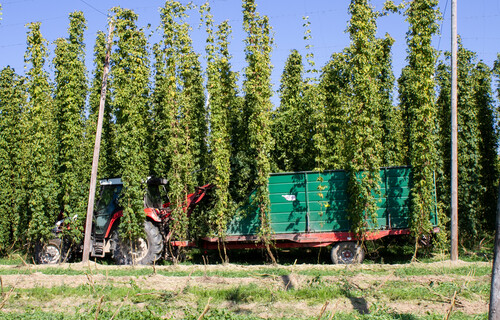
433,290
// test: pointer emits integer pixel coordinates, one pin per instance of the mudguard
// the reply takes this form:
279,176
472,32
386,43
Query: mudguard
194,198
152,213
117,215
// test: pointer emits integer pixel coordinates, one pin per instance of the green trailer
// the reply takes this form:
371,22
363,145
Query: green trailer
309,209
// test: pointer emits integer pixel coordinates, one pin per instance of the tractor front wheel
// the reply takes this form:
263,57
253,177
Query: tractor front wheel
145,250
52,252
347,253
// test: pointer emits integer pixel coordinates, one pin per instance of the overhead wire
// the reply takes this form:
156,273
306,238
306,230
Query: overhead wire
91,6
442,23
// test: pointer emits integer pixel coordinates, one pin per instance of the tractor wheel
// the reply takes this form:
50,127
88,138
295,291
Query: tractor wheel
142,251
52,252
347,253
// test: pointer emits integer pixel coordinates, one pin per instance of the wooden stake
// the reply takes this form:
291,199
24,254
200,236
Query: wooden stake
7,296
494,313
118,310
323,309
333,310
454,135
98,308
205,310
97,146
452,304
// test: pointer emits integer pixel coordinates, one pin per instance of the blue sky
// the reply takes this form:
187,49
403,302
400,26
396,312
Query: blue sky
478,24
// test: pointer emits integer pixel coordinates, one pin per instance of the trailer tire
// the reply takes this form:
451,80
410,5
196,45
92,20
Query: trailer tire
53,252
146,250
347,253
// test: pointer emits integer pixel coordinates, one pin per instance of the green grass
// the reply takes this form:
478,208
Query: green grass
344,272
313,271
262,286
137,272
249,293
157,312
404,290
88,292
14,259
316,290
239,294
88,312
421,270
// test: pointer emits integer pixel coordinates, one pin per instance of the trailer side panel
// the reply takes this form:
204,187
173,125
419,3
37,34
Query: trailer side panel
312,202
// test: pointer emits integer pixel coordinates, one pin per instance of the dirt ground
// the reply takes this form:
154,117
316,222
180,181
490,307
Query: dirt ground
363,280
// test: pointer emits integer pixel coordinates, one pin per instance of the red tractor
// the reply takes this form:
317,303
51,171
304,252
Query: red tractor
105,228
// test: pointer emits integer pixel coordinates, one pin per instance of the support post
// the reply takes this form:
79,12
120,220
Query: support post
454,136
97,146
494,313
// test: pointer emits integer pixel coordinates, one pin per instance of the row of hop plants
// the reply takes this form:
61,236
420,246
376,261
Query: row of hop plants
339,117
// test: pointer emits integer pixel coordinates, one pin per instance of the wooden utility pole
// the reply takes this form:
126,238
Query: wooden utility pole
454,136
97,147
495,274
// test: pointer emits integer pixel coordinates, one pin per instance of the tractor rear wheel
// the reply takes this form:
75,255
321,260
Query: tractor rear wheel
347,253
145,250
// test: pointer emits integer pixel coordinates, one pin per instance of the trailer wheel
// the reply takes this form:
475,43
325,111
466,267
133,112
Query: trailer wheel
52,252
347,253
142,251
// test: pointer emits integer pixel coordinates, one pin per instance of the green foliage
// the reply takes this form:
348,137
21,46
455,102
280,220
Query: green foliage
443,79
179,103
390,116
293,122
476,144
291,125
468,147
496,72
167,108
343,119
190,98
108,163
364,133
417,98
239,186
69,104
222,89
13,220
163,109
330,128
131,105
488,144
242,160
285,117
257,109
39,157
194,114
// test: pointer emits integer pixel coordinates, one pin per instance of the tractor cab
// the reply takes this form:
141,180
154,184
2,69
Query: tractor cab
108,207
156,193
107,204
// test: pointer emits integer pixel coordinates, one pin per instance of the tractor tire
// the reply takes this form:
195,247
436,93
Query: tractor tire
347,253
146,250
53,252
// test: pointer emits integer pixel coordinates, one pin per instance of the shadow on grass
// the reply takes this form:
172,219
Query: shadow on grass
359,304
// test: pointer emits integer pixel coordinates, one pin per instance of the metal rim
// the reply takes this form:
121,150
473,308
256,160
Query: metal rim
51,254
139,249
347,255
